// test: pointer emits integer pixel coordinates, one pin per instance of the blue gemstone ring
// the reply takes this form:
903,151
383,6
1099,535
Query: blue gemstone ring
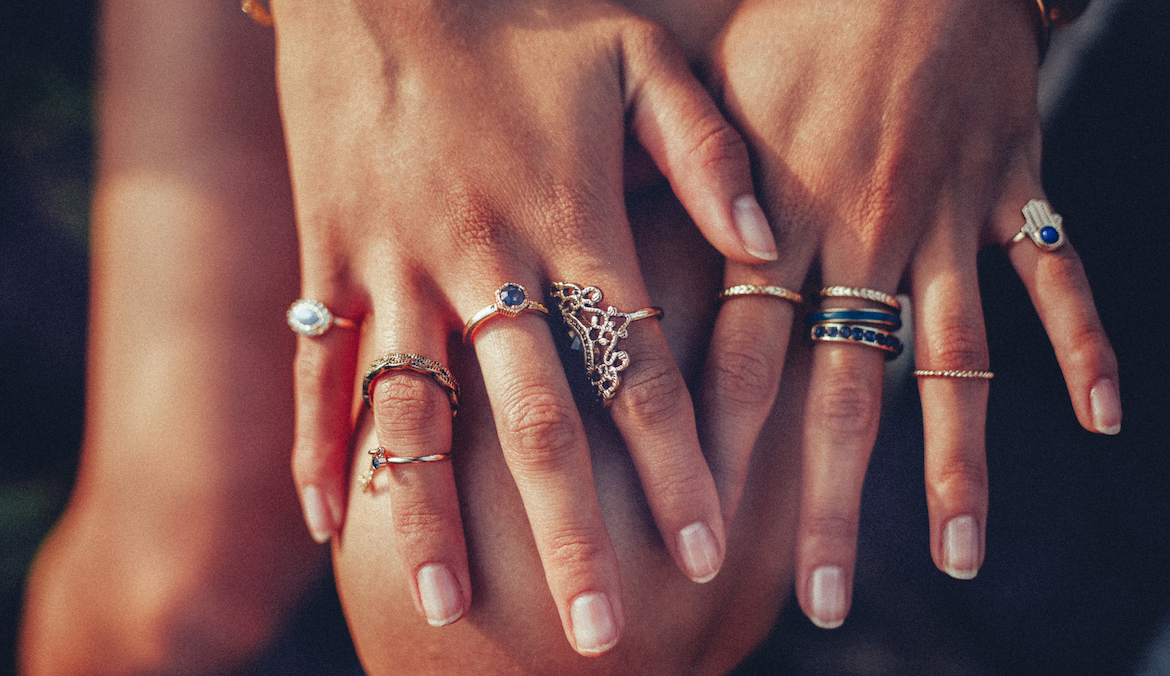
311,318
511,300
1042,225
834,332
886,320
381,459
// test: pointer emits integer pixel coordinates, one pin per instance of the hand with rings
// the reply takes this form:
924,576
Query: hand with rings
447,167
893,141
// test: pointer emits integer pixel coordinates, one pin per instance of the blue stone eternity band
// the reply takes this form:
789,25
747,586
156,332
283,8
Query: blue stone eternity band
833,332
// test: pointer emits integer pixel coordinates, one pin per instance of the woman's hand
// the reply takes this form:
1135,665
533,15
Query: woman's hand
893,140
439,151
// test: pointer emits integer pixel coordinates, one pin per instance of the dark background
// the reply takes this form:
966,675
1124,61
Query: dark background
1077,576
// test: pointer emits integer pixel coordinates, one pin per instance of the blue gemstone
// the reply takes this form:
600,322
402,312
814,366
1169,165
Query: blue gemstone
846,332
879,339
375,462
870,336
511,295
1049,235
832,332
819,332
858,334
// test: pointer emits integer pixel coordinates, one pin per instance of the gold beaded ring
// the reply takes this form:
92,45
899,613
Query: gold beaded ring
762,290
864,294
418,364
924,373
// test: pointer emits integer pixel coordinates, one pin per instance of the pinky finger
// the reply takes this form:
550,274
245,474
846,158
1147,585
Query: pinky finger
1060,292
324,371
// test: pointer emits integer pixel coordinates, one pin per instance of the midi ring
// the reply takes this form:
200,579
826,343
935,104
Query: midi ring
381,459
834,332
511,300
755,290
864,294
1042,225
311,318
418,364
923,373
597,332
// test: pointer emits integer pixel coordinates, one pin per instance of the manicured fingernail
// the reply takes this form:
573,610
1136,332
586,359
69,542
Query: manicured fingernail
961,547
1106,407
700,552
827,596
753,228
317,514
439,592
594,627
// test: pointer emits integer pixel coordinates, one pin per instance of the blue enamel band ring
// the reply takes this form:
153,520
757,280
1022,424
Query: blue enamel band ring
885,320
412,362
379,458
1042,225
511,300
864,294
833,332
311,318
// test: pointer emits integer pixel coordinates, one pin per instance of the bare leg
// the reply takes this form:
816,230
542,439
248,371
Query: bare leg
183,545
674,625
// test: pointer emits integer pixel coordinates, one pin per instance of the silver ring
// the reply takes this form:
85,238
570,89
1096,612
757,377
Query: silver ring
1042,225
311,318
924,373
511,300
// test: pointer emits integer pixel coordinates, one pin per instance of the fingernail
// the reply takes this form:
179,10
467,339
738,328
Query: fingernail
828,597
753,228
439,592
594,627
961,547
317,514
700,552
1106,407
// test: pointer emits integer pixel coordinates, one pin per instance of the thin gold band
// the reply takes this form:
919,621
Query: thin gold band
924,373
764,290
864,294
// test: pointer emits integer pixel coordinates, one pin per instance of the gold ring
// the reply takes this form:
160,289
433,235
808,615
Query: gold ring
418,364
923,373
381,459
754,290
311,318
598,332
864,294
511,300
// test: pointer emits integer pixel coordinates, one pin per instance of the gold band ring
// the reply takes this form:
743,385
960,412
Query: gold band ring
864,294
598,331
754,290
381,459
923,373
311,318
511,300
417,363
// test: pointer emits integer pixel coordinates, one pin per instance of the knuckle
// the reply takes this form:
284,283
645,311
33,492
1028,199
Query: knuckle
830,527
567,211
846,405
477,229
652,392
715,143
959,478
570,549
542,428
311,371
742,374
416,524
407,403
957,344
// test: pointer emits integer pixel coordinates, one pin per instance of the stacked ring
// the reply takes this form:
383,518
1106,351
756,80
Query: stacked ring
381,459
833,332
864,294
755,290
511,300
1042,225
597,332
311,318
885,320
418,364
